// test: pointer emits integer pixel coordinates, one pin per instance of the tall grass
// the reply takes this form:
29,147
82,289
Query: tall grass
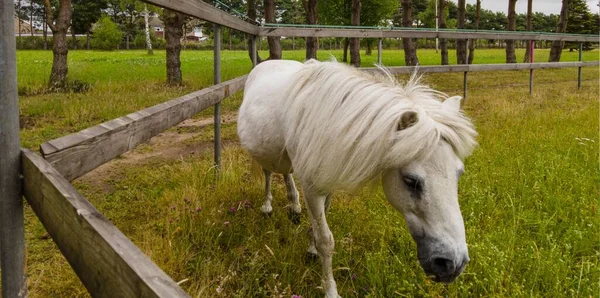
529,197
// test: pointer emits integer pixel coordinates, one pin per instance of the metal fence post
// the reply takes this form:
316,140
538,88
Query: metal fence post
379,49
579,68
217,80
12,230
531,47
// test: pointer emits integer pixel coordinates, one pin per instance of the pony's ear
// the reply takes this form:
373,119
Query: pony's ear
407,119
452,103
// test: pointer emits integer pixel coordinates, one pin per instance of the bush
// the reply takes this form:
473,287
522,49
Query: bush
139,42
107,35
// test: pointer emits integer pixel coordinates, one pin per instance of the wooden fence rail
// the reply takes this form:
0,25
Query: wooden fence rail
422,33
76,154
107,262
484,67
202,10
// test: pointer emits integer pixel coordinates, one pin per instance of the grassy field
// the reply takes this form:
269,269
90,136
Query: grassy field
529,196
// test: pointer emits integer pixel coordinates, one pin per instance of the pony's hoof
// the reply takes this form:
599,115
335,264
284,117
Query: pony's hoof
267,210
311,257
294,217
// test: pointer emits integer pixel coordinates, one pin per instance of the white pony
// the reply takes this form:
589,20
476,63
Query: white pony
338,127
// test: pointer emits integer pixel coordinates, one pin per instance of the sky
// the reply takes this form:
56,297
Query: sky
545,6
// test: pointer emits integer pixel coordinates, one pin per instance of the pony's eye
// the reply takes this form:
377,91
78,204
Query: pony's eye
414,183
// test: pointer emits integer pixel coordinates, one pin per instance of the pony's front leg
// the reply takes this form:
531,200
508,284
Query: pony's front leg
315,204
266,208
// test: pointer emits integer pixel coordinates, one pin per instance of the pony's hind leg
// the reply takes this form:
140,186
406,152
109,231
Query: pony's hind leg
293,198
266,208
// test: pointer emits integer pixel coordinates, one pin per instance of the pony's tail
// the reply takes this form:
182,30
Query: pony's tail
256,170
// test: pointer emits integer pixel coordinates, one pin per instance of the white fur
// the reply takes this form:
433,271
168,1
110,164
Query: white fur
340,127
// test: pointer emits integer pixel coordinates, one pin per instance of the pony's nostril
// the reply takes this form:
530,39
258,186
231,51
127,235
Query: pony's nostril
443,266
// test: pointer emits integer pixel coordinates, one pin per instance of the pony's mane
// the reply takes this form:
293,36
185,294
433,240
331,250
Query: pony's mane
341,124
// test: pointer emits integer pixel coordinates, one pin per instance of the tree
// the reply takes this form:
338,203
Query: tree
529,28
310,6
557,46
59,27
410,51
372,13
252,17
147,30
292,13
274,43
355,41
581,21
512,25
87,12
461,44
442,24
476,27
107,35
173,32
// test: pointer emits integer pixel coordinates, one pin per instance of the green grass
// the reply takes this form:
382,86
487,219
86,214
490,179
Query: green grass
529,196
128,81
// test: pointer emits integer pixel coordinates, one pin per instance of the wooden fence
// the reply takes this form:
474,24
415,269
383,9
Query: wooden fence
108,263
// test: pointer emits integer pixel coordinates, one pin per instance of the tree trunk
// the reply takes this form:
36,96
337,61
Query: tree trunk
74,38
87,40
20,43
31,17
461,44
310,6
354,41
58,75
369,50
512,25
252,16
274,43
529,28
346,45
147,29
472,41
557,46
173,33
410,50
230,42
45,27
442,25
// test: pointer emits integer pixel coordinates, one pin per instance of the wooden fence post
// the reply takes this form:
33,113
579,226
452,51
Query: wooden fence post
379,49
217,80
579,69
12,232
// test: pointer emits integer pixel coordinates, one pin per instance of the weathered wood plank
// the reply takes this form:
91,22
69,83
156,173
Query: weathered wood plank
399,33
107,262
12,231
205,11
483,67
76,154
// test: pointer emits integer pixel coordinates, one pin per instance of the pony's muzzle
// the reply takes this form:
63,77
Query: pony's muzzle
445,268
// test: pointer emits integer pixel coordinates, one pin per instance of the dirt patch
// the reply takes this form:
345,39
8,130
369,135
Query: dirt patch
169,145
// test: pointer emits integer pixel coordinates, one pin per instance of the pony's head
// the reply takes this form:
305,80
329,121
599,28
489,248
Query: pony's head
345,127
425,191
